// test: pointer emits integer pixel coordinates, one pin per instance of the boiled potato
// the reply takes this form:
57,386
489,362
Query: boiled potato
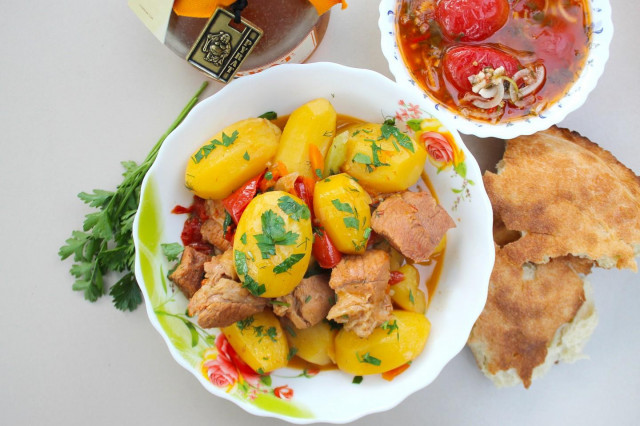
272,244
406,293
259,341
312,123
380,163
342,207
219,167
314,344
396,342
336,155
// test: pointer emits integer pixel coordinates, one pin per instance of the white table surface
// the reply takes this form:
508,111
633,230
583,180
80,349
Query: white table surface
84,86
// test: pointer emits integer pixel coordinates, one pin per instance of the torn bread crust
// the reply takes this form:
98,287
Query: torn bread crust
533,318
566,195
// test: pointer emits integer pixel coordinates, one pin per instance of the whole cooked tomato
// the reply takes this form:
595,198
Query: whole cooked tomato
461,62
471,20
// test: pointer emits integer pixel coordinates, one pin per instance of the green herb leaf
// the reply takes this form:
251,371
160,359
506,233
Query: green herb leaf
343,207
99,198
268,175
279,303
366,358
241,262
411,299
269,115
292,352
252,286
357,380
390,327
109,245
351,222
272,333
293,209
273,232
286,264
245,323
243,238
389,130
266,380
172,251
227,223
205,150
246,156
126,293
362,159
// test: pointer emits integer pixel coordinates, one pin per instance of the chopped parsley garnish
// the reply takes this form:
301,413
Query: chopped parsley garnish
286,264
204,151
389,129
252,286
390,327
279,303
366,358
241,262
272,333
357,380
307,299
273,233
244,238
319,173
245,323
227,223
351,222
367,233
172,251
293,209
292,352
242,268
246,156
268,176
269,115
343,207
290,330
411,299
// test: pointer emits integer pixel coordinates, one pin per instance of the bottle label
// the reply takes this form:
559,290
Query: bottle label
223,45
298,55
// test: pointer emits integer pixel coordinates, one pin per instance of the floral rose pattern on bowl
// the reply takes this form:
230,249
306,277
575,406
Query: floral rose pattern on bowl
442,151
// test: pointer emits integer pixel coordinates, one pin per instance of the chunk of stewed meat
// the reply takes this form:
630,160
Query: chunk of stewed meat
190,272
360,283
413,223
223,303
308,303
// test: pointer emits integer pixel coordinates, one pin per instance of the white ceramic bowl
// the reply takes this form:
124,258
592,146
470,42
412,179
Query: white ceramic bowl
329,396
602,32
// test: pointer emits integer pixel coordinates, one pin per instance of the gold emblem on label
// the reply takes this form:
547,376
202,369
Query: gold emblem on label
223,45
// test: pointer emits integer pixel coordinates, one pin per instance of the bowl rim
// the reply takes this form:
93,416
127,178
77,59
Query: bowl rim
483,206
573,99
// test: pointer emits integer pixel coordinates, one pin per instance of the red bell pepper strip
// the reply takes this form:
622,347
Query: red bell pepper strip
304,190
395,277
241,197
324,251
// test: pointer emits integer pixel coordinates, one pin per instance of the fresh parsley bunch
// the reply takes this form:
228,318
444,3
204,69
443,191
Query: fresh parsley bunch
105,243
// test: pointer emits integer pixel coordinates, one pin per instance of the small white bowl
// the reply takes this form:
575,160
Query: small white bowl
602,32
329,396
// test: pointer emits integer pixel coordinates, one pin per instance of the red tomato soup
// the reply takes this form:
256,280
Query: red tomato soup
494,60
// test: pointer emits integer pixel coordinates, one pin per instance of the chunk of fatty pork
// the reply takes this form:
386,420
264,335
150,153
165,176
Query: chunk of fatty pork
222,303
189,273
308,303
360,283
413,223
